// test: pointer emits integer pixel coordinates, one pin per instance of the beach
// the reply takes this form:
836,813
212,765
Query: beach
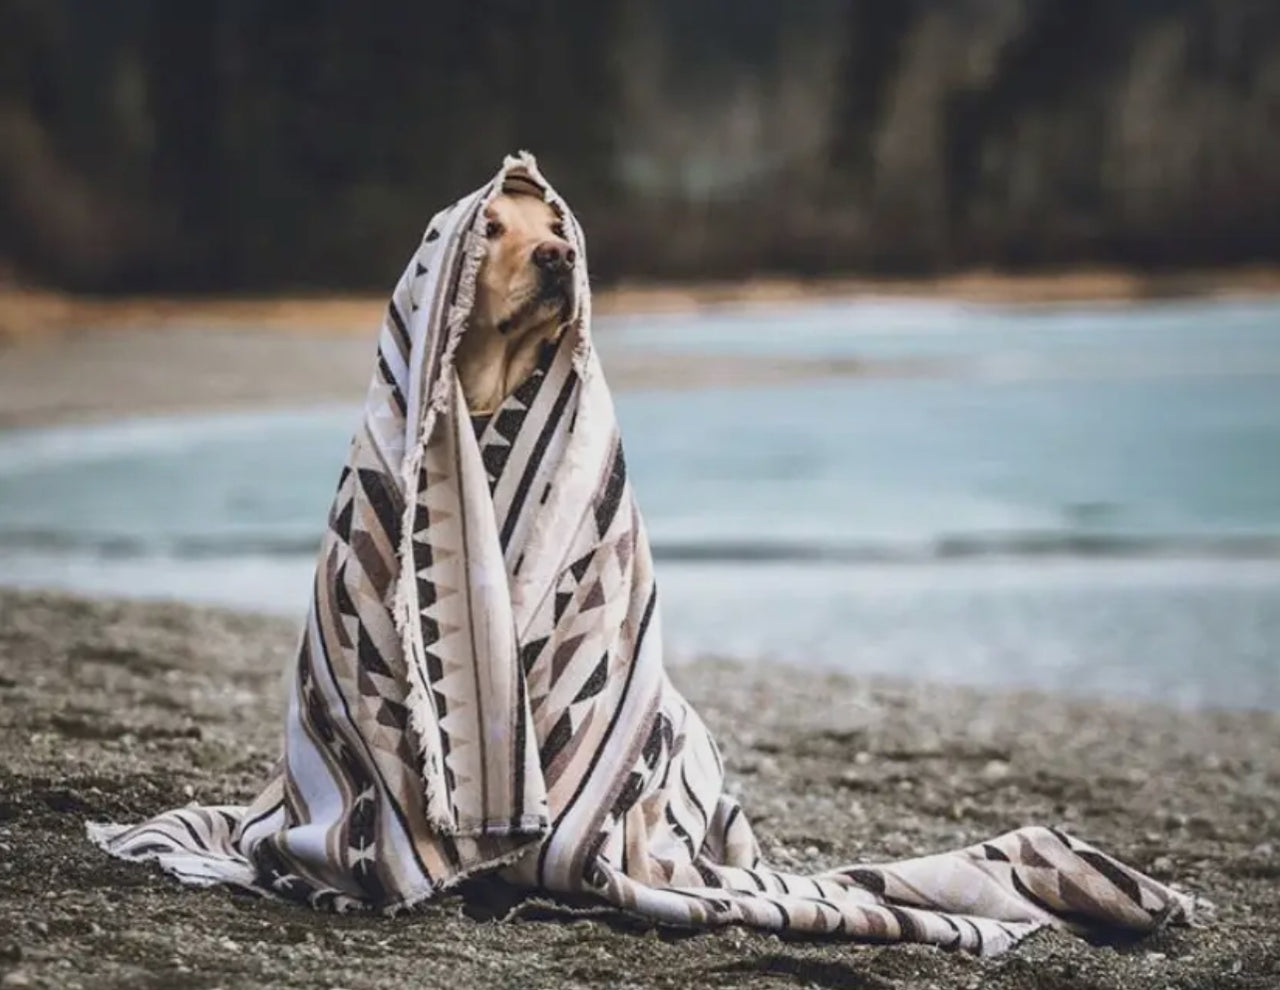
114,710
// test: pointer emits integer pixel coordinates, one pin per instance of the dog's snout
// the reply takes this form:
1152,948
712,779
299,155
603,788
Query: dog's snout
554,257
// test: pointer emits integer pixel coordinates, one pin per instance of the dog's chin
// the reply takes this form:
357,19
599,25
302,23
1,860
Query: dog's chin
548,301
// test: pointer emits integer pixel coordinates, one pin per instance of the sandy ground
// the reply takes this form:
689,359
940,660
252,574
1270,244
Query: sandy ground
68,358
31,313
115,711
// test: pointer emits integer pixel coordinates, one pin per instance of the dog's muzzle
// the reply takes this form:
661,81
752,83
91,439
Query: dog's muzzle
554,261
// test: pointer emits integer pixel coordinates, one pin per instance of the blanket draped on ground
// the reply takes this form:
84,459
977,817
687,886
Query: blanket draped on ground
480,684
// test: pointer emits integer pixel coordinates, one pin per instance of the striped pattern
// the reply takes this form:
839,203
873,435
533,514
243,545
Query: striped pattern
480,685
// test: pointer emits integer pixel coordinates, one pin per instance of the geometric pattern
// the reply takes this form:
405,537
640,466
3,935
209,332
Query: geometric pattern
480,686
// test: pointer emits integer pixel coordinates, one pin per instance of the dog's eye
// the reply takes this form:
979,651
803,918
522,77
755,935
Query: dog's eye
493,229
557,228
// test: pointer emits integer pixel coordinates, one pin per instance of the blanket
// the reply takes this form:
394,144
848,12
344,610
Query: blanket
479,686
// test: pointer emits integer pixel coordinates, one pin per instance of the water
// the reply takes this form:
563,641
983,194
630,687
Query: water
1084,499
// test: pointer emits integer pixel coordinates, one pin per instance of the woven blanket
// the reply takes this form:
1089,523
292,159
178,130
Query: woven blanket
480,684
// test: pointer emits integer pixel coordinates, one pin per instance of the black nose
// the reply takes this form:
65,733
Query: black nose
554,257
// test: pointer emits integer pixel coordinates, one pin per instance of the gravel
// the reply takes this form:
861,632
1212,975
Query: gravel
116,711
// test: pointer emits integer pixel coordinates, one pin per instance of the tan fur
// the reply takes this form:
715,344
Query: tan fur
514,313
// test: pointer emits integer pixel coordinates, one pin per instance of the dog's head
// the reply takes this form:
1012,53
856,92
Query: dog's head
526,279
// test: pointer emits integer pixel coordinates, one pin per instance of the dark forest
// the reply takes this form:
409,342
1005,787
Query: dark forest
235,145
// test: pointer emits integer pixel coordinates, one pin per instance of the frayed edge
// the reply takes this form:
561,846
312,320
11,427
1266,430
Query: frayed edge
531,825
423,717
474,249
1190,909
1203,912
495,863
102,833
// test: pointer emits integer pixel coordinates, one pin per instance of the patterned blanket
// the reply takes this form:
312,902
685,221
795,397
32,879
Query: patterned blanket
480,684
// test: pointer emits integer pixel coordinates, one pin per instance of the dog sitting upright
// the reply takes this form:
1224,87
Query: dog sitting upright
524,294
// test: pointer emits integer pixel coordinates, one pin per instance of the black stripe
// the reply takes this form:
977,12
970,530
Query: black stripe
199,842
715,752
1024,891
910,929
250,822
535,459
955,928
681,832
1115,873
610,497
734,815
868,879
684,779
608,734
977,931
152,848
398,322
475,659
1110,869
369,764
517,790
390,379
556,740
385,500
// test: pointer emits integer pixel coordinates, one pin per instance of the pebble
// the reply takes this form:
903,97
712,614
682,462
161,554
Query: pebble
995,770
15,978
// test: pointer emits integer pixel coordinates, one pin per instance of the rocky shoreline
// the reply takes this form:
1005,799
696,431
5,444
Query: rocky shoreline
115,710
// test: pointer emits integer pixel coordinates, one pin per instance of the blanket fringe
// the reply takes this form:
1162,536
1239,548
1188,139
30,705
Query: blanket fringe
423,716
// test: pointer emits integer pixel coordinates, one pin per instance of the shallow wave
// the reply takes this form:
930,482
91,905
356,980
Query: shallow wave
1030,545
1026,545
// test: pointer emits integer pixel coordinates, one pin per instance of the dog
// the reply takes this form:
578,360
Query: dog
524,296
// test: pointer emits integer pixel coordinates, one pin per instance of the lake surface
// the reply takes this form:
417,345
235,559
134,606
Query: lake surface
1081,499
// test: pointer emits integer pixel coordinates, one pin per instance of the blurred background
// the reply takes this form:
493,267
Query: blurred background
237,145
987,390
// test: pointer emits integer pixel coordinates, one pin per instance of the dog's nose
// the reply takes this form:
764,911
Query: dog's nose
554,257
